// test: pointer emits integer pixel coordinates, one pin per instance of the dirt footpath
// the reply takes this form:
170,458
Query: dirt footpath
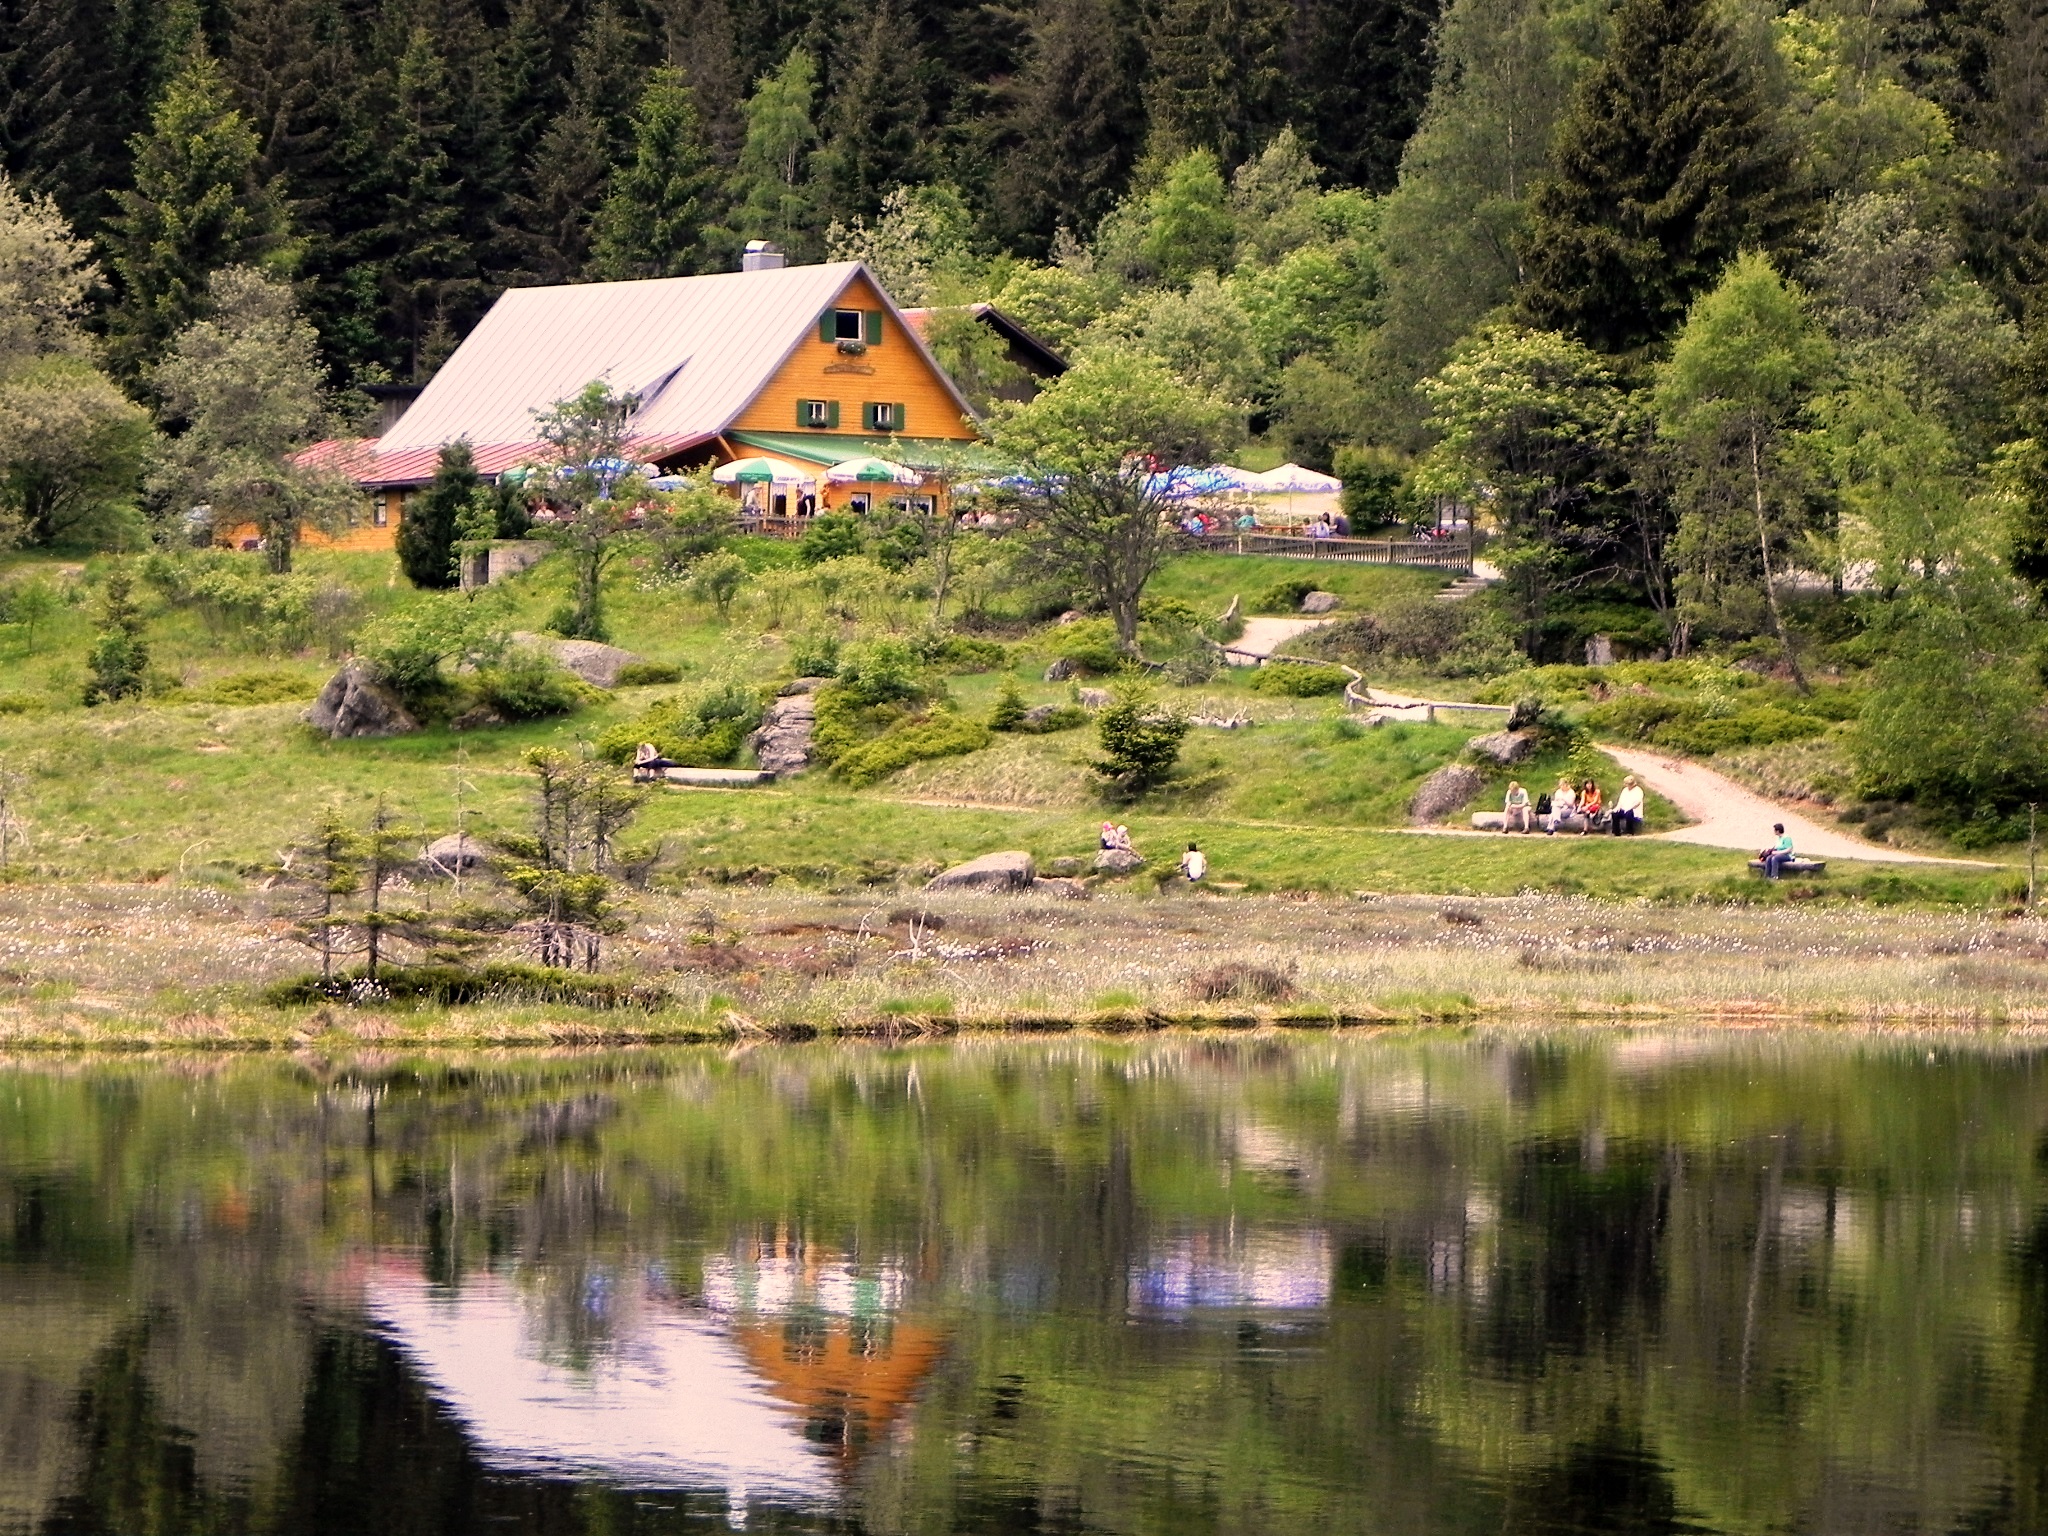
1725,815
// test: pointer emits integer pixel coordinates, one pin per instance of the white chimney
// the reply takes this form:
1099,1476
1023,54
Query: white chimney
762,256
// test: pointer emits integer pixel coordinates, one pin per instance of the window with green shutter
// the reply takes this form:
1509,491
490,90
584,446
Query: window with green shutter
874,327
882,416
817,413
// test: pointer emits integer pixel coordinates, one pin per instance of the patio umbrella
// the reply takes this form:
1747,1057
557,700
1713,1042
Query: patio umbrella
761,471
1293,480
872,472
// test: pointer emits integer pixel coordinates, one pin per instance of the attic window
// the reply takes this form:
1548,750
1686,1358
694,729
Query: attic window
847,325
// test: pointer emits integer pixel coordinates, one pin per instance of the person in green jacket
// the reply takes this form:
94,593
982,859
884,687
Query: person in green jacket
1779,854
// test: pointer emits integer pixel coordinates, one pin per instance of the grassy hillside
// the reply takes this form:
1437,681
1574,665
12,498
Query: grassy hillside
210,776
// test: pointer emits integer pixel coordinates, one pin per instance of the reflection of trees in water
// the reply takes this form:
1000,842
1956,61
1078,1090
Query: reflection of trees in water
1764,1285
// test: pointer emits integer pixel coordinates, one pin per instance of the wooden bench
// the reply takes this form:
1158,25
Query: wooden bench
1794,866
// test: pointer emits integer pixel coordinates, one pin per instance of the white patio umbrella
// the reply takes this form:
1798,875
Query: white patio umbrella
1293,480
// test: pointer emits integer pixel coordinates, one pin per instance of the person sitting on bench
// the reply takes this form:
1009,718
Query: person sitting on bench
1514,810
649,765
1626,819
1779,854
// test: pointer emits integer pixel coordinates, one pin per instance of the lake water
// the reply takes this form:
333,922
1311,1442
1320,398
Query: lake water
1615,1283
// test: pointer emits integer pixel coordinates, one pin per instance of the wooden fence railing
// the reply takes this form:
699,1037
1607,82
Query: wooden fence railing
1438,554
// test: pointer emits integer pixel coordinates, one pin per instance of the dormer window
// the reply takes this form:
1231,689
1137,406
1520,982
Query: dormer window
848,325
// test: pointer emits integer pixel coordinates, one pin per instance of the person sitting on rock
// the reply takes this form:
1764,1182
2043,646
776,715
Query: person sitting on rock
1779,854
1564,804
1514,811
1589,804
1626,819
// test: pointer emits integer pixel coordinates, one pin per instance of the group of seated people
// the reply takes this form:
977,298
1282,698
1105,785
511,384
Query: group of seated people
1574,808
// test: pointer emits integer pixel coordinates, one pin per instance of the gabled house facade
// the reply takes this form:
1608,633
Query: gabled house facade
815,364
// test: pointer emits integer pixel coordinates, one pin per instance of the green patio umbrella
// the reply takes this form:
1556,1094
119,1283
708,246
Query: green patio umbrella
872,472
761,471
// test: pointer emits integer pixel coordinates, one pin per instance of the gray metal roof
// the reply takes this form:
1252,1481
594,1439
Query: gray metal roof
695,349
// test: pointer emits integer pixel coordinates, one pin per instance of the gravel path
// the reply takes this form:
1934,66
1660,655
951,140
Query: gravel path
1262,637
1725,815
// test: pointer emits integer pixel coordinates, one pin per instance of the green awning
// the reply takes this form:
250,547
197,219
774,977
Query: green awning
827,448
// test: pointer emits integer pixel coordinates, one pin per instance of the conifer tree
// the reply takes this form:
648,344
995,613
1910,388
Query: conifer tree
1663,168
299,84
197,206
566,180
653,218
874,125
698,39
771,190
1361,73
533,70
421,235
1074,121
1217,78
426,538
55,86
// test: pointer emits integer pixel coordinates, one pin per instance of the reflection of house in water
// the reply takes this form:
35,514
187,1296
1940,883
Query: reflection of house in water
826,1337
769,1389
1264,1268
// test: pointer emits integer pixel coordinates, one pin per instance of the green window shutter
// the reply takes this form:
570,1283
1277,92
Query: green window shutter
803,413
874,324
826,325
867,416
902,420
832,414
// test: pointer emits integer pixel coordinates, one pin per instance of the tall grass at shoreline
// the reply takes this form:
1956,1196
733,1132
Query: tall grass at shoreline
133,967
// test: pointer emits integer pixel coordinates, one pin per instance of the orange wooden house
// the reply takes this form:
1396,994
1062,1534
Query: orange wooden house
812,364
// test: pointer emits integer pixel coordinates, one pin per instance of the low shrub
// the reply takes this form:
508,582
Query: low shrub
702,732
1299,681
19,703
647,674
882,671
1243,983
1068,717
833,536
1090,644
1284,596
245,688
1685,725
523,684
450,985
959,653
941,733
815,655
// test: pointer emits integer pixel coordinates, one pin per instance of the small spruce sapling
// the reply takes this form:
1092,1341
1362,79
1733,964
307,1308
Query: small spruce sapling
562,872
327,867
119,656
1008,712
1140,741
